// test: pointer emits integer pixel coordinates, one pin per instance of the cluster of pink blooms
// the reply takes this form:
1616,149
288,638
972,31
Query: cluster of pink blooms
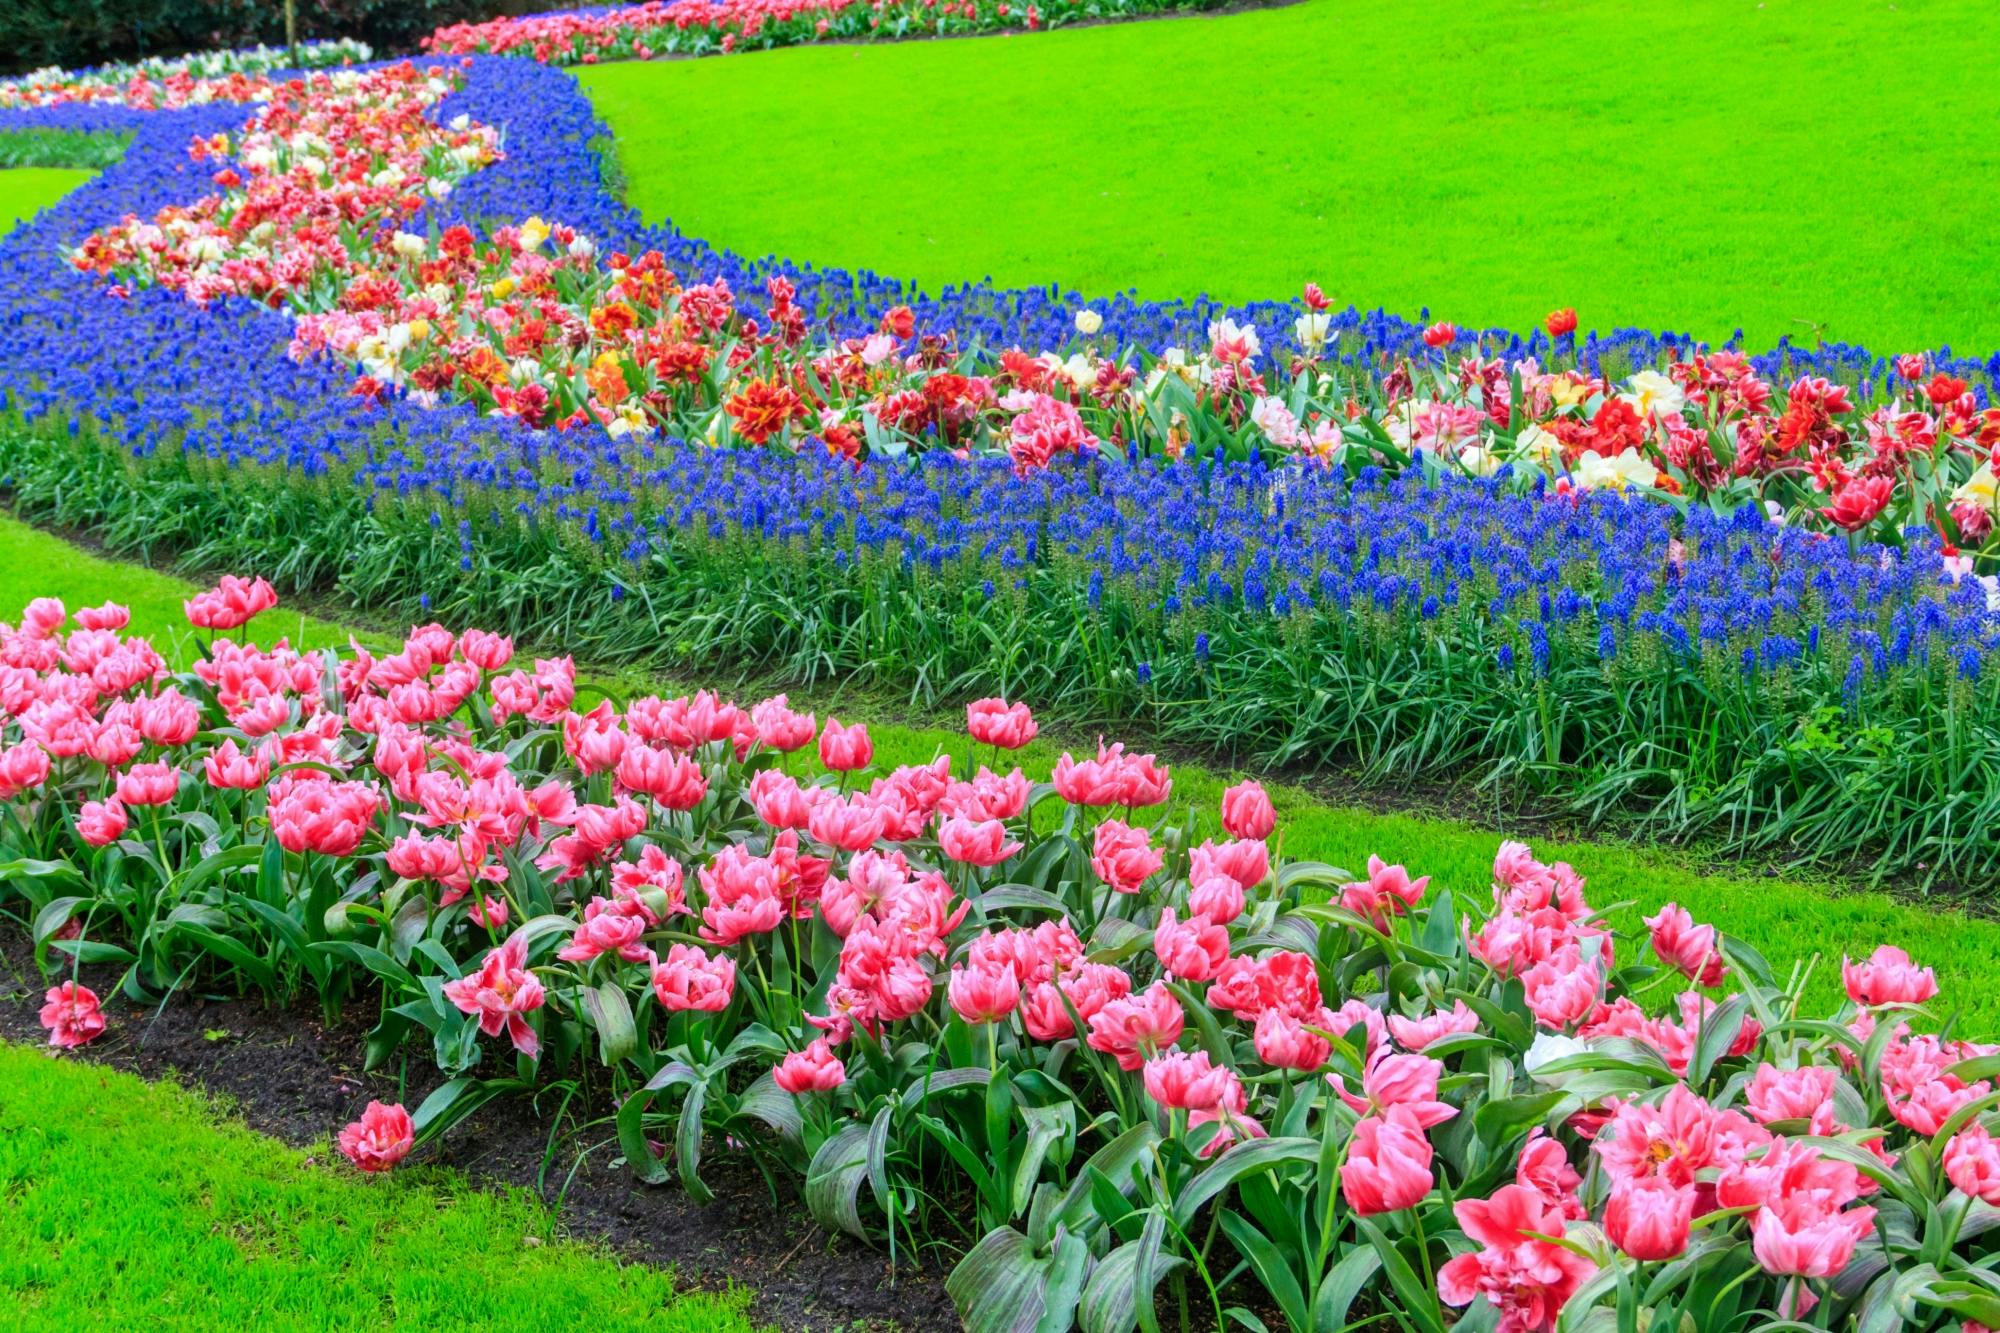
444,769
668,27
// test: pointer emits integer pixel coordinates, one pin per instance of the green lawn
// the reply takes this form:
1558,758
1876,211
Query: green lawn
1784,919
1696,166
26,191
139,1205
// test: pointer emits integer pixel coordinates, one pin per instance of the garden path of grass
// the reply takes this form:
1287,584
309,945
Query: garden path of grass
1781,918
140,1204
1698,166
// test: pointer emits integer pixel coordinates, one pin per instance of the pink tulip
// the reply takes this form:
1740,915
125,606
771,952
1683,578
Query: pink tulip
502,993
1799,1235
1087,988
148,784
1888,977
983,994
1112,778
1181,1081
116,744
229,768
1247,812
779,800
1284,1043
413,856
1406,1081
673,782
1248,863
595,740
690,979
1219,898
1649,1217
101,823
1387,892
1544,1168
1133,1027
815,1069
995,722
981,843
607,928
845,749
382,1137
1123,857
1972,1163
853,824
109,616
1413,1034
72,1015
23,767
313,814
1562,991
1388,1166
1190,950
43,617
781,729
1514,1269
169,718
230,604
1788,1094
1690,949
487,651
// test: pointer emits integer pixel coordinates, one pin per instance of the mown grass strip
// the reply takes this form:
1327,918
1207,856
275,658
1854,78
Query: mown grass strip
1783,918
129,1203
1489,162
26,191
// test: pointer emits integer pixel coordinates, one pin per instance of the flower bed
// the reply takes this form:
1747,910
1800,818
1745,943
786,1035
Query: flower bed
531,323
1143,1064
1348,584
704,27
156,84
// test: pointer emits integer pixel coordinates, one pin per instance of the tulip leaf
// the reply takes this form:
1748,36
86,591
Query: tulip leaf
833,1181
1268,1261
687,1144
611,1014
1120,1292
1419,1303
1238,1161
764,1100
1047,1127
1719,1032
1004,1286
1342,1283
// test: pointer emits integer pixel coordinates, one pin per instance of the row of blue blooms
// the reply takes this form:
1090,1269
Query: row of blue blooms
153,372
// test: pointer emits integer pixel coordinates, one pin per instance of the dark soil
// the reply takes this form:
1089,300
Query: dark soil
293,1077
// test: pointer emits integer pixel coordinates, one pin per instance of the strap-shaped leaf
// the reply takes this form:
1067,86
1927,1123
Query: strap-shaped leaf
1004,1286
611,1013
687,1144
453,1101
632,1121
1048,1126
833,1181
764,1100
1342,1283
1120,1292
1237,1162
1116,1161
